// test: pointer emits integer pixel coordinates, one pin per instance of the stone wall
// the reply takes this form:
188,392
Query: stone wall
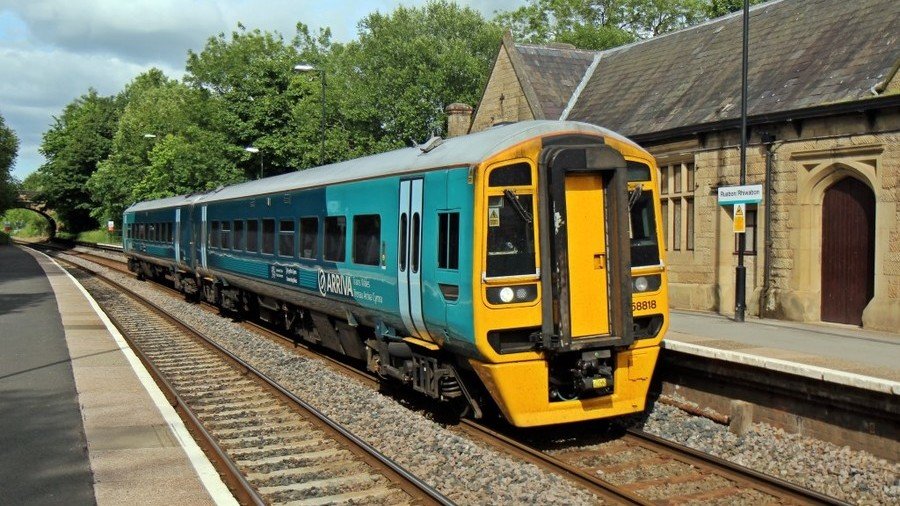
807,158
503,99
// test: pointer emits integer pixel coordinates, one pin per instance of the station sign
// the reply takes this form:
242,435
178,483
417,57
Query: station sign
745,194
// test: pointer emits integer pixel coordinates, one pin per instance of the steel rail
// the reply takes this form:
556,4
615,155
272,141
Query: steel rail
756,479
765,481
417,482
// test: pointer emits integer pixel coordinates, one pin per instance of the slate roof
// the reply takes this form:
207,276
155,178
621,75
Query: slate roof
554,73
803,53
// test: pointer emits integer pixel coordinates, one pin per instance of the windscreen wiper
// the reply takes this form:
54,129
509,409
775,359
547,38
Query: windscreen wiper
513,199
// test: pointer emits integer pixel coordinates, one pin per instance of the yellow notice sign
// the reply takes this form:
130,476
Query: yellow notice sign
493,216
740,218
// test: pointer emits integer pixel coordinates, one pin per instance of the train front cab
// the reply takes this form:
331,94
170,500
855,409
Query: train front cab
568,328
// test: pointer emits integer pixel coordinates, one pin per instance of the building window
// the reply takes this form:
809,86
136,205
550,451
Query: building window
268,236
286,238
749,233
679,178
689,223
448,241
309,235
335,238
367,239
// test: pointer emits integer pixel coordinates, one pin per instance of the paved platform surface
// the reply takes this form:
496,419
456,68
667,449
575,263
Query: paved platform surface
833,352
81,422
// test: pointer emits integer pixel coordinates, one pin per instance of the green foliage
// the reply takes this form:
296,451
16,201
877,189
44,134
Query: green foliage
166,144
100,235
248,75
9,147
600,24
78,140
389,87
406,67
716,8
25,223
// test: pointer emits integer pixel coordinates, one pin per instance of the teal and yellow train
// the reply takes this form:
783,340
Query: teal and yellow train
521,264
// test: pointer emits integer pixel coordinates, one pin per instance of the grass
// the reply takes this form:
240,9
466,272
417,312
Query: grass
98,236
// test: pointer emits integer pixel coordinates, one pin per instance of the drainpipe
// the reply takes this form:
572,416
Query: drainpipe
769,141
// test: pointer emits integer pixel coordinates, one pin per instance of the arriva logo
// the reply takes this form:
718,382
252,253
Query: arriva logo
334,283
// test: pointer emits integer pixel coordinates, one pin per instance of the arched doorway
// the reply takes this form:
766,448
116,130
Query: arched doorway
848,251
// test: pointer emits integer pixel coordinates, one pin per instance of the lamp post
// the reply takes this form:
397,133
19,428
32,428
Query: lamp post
303,68
251,149
740,275
149,136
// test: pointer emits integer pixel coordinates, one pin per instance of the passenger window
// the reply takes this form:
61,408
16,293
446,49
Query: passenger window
253,235
239,235
335,238
367,239
214,234
142,231
309,235
448,240
518,174
286,238
226,235
268,236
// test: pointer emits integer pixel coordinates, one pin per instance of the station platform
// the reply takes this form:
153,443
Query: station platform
82,421
836,353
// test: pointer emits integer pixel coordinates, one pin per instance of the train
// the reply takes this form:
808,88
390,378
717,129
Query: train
519,270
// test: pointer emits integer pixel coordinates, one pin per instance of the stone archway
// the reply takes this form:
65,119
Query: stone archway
848,251
51,223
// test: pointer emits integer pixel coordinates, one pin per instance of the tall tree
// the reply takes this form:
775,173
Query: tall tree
78,140
165,144
600,24
250,75
9,147
407,66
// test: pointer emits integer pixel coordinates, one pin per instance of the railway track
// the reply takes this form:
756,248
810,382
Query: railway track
273,447
636,468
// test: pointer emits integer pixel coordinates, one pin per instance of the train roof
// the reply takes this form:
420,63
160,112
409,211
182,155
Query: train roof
179,200
467,150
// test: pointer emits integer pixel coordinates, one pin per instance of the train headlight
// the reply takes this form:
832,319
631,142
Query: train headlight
511,294
642,284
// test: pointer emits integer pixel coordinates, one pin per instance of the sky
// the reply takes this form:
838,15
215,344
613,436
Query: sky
53,51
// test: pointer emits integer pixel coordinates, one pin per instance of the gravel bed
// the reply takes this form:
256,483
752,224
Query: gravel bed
850,475
465,471
110,255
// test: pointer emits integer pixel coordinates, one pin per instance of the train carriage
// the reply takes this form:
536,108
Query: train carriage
523,262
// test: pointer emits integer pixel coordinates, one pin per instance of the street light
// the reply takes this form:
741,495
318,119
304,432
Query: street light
251,149
149,136
303,68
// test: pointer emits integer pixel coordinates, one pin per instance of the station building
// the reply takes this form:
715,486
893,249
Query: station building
824,140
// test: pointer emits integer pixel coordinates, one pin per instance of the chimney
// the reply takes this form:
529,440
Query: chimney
459,118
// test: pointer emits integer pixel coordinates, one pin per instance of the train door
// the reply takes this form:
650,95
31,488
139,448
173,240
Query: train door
586,245
409,257
585,255
177,236
203,236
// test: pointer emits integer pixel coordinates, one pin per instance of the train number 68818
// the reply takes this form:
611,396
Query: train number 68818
642,305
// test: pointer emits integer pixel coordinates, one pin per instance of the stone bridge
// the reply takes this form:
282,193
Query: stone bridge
25,200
